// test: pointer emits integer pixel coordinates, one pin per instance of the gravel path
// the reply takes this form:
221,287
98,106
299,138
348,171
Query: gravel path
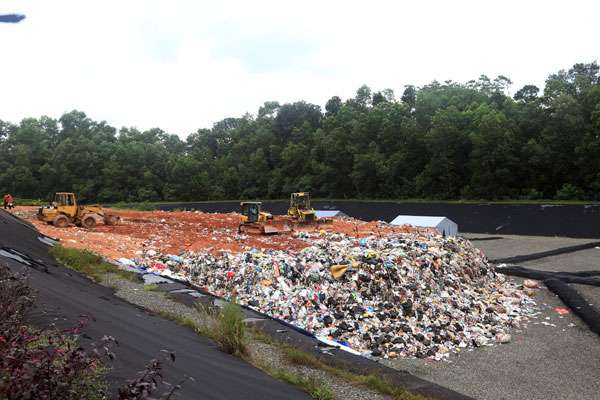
269,355
152,300
262,353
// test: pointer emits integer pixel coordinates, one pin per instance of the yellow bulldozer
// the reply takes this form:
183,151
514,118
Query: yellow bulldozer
254,220
300,209
64,210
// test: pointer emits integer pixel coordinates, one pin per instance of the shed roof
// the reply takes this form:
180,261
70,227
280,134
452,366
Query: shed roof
330,213
418,220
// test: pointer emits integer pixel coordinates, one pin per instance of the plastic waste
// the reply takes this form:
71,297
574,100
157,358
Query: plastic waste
337,271
127,262
405,295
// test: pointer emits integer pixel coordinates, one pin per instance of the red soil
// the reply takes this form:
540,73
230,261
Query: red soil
176,232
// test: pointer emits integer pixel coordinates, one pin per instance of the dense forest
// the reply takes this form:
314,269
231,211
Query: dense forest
441,141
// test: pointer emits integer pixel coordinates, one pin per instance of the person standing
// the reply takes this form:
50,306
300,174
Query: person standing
8,201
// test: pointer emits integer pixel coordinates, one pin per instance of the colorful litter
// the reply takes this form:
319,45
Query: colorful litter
404,295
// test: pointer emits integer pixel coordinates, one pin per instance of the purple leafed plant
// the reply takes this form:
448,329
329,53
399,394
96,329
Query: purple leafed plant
48,364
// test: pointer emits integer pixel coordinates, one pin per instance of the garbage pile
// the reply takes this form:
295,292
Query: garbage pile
404,295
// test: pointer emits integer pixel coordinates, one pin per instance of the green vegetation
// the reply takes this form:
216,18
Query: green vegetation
151,287
374,382
28,202
441,141
301,357
226,327
315,388
93,383
44,363
183,321
142,206
89,264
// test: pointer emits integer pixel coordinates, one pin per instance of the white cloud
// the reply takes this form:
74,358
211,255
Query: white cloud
182,65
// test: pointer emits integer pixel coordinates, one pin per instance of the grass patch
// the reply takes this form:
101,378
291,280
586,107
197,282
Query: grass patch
260,336
90,264
373,382
315,388
300,357
226,327
28,202
142,206
151,287
183,321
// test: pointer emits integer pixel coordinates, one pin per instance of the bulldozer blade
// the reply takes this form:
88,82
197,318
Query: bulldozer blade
270,230
285,228
323,221
250,228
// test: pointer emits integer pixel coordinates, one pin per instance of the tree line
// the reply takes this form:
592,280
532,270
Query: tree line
445,140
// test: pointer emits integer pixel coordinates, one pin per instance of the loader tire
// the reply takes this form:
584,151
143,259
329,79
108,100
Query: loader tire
88,222
61,221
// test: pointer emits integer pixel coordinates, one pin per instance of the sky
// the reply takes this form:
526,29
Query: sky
183,65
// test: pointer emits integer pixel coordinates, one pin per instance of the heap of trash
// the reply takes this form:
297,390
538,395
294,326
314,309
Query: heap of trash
412,294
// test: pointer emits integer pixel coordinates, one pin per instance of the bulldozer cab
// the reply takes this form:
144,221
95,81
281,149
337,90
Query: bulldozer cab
300,200
250,210
64,199
66,202
300,208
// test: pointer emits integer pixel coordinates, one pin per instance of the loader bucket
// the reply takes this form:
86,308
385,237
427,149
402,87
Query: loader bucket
111,219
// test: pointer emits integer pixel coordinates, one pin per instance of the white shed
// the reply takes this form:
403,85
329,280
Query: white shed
445,226
330,213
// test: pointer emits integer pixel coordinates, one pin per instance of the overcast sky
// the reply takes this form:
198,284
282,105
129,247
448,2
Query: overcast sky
182,65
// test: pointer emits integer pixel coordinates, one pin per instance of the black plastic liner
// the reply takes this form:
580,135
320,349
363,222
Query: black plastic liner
582,277
576,302
558,283
579,221
549,253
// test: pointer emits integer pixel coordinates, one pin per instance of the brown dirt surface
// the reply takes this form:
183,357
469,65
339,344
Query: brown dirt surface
177,231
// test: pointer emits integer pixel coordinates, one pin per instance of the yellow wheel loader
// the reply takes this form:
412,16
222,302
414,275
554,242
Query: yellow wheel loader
300,209
254,220
64,211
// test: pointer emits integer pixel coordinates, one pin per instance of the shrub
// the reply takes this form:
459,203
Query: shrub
226,327
47,364
532,194
569,192
41,364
